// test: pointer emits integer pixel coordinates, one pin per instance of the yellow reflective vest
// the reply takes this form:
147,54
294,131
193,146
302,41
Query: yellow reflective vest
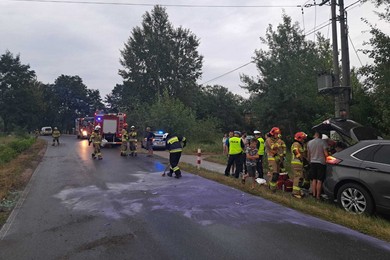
235,145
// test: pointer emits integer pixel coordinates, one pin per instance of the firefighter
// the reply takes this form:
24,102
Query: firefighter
56,136
133,141
272,148
96,139
282,151
36,132
175,145
125,140
297,159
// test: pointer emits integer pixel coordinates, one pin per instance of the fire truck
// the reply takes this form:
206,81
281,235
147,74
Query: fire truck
84,127
111,126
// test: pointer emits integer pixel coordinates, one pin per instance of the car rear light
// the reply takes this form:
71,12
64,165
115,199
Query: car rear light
332,160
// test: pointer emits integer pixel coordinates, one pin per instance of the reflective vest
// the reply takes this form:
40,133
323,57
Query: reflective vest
56,133
125,137
297,151
271,147
96,138
261,146
235,145
174,144
133,136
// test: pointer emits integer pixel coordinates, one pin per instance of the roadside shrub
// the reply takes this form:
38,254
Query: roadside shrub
21,145
6,154
9,150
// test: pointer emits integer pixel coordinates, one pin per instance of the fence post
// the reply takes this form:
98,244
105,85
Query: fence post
199,159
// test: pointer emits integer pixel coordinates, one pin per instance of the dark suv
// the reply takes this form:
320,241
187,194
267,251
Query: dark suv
358,178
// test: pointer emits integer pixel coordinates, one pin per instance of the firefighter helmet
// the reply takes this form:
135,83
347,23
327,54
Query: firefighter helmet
97,128
300,136
275,131
132,127
125,125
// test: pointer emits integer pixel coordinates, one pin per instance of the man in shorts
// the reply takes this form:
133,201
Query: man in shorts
149,136
251,159
316,154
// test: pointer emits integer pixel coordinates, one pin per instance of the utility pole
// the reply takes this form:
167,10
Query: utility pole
341,92
336,69
344,97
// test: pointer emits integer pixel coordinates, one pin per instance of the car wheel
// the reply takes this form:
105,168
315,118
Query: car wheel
355,199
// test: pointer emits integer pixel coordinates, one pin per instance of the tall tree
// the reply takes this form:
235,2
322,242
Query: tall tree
70,99
285,91
158,58
219,103
377,74
17,90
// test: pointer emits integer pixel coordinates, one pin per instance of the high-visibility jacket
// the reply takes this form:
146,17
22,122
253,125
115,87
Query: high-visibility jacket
125,136
174,143
260,147
282,149
95,138
297,153
271,146
236,145
56,133
133,135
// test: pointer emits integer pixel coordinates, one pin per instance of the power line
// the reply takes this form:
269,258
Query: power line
352,4
166,5
357,55
315,18
317,29
246,64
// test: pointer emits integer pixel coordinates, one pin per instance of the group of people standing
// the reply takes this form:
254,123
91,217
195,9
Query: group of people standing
246,156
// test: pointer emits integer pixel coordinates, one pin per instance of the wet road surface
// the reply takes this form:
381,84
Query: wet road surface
122,208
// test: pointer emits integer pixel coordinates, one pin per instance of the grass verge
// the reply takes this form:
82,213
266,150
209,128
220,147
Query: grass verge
371,225
15,174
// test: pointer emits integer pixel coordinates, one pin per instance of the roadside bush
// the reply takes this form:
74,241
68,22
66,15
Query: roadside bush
9,150
173,116
21,145
6,154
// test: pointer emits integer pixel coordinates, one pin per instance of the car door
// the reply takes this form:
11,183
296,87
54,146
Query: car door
375,171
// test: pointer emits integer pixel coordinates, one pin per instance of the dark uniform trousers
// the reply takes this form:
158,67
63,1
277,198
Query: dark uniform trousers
236,159
174,159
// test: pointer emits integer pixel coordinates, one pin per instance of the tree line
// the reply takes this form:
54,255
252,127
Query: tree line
160,69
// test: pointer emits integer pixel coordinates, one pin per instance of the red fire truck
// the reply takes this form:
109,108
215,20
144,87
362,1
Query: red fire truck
84,127
111,126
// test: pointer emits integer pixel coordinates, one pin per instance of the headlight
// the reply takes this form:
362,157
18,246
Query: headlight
85,133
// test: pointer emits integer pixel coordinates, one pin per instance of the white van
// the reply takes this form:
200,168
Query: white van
47,130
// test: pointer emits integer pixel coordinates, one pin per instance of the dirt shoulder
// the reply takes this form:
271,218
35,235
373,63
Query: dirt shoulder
15,175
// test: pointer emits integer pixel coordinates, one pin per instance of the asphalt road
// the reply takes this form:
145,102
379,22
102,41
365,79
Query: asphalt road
122,208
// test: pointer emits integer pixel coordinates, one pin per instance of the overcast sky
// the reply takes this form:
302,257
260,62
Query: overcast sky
85,39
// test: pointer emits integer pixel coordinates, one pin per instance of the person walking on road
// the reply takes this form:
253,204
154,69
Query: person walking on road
260,149
96,139
56,136
316,154
175,145
149,136
236,148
